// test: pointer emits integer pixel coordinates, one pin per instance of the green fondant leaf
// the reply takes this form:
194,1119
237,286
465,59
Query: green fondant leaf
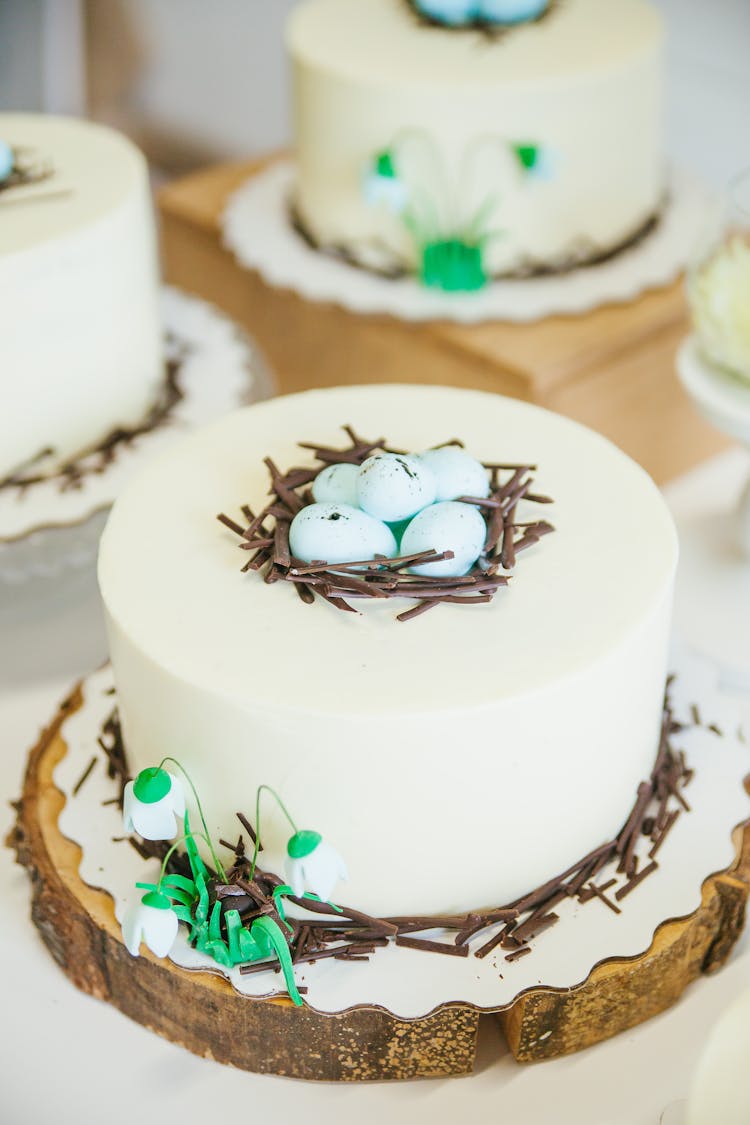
274,939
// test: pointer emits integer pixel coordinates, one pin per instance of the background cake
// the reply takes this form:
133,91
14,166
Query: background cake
80,351
543,144
455,760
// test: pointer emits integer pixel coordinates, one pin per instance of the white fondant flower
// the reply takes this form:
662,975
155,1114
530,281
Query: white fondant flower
313,865
382,185
151,920
152,802
720,298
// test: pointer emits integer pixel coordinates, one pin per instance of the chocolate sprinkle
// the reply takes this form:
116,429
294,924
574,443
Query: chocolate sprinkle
380,577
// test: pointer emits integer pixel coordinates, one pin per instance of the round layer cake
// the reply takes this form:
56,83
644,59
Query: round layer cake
542,146
80,350
455,760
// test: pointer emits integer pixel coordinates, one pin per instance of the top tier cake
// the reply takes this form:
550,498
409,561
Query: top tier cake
80,350
464,154
456,760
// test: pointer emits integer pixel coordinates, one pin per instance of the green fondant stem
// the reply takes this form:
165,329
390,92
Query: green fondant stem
206,835
283,808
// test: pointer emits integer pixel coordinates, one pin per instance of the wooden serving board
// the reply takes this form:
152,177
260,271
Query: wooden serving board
612,369
202,1012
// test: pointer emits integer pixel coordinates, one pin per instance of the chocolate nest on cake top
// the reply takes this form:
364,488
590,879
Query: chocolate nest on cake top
265,536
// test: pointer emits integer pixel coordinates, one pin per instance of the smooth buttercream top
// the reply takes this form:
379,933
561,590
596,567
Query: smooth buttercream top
170,573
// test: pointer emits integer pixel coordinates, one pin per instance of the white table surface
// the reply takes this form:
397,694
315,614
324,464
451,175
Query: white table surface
69,1059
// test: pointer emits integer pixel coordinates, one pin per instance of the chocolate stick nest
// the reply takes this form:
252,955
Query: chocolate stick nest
509,928
265,537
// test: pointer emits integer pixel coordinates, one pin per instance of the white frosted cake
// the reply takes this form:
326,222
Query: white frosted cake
538,148
80,350
457,759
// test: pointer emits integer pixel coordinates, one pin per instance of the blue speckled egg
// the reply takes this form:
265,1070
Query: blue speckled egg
394,486
449,11
6,160
337,485
447,526
336,533
511,11
456,473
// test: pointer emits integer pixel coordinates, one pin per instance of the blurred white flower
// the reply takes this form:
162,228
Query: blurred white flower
152,802
719,292
313,865
151,920
382,185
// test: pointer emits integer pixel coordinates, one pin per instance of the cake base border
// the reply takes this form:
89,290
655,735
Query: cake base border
202,1013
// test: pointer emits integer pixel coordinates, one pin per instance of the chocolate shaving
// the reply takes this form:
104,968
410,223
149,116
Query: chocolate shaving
518,953
344,933
433,946
379,577
84,777
95,459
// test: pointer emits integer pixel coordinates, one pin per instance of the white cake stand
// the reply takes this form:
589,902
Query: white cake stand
713,588
53,525
258,231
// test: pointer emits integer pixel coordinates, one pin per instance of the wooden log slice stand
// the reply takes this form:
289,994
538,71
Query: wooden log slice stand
202,1012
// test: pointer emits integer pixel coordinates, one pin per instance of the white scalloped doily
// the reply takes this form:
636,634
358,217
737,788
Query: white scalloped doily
412,983
220,370
256,228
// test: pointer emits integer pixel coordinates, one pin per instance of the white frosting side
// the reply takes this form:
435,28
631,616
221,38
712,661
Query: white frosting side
475,749
585,83
80,348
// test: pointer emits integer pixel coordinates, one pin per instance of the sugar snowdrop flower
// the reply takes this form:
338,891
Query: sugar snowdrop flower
313,865
537,162
152,802
151,920
382,185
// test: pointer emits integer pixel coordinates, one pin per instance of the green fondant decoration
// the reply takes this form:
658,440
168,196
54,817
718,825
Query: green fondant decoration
527,156
197,866
157,900
152,785
303,843
384,165
453,265
268,936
